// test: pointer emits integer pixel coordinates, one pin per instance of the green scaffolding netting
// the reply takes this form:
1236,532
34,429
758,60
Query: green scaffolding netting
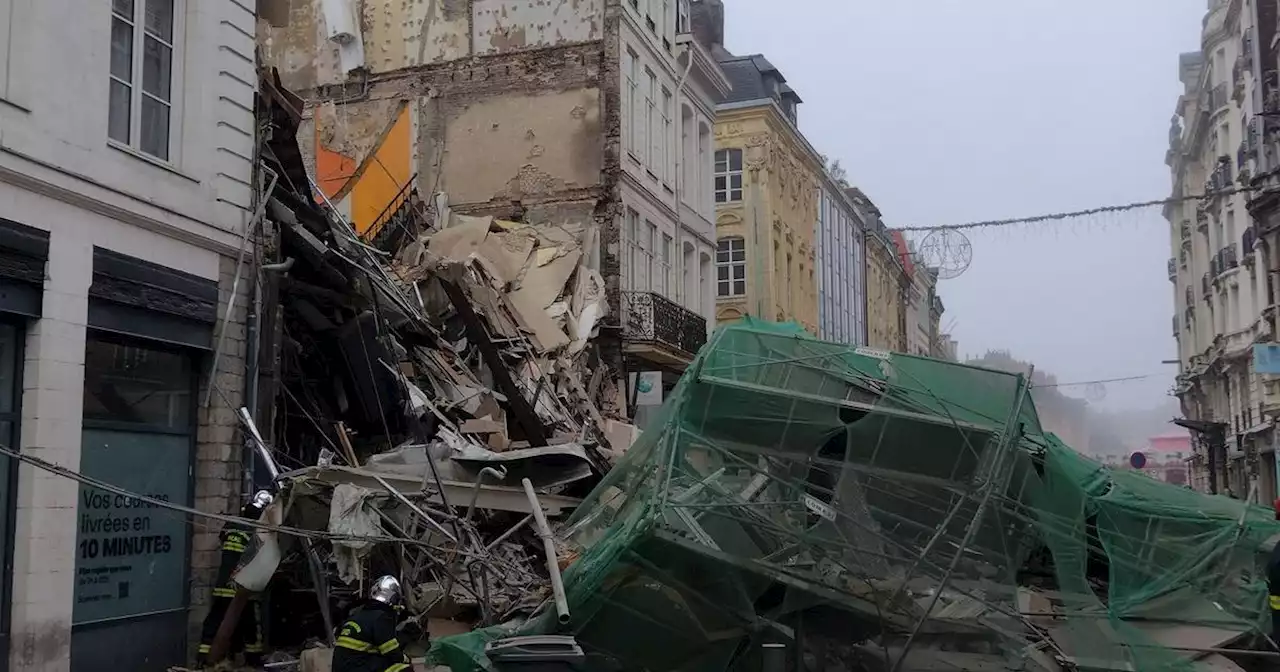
878,511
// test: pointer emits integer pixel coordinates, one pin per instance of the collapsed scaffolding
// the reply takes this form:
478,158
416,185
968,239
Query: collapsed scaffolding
806,505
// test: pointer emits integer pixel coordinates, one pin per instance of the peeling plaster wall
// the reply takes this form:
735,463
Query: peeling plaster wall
515,147
508,25
404,33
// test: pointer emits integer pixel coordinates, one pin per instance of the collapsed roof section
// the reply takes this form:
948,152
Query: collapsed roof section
880,511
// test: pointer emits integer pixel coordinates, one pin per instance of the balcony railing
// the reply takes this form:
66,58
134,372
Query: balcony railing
1173,269
653,318
1226,259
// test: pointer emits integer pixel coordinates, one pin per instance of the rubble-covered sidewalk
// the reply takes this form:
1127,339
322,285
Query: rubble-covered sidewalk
833,508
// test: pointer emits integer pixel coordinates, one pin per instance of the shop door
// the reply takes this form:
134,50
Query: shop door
132,558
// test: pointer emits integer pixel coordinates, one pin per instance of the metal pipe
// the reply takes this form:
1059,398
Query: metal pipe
249,227
414,507
263,451
282,267
498,474
549,548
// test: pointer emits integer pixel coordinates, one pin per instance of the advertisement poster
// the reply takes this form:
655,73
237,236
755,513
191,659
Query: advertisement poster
131,554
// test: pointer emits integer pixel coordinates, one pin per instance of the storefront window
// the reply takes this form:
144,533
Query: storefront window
131,556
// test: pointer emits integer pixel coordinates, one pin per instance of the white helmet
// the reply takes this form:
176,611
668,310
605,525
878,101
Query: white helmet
262,499
387,591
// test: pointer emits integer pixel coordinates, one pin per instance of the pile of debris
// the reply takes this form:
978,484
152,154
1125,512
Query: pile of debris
430,394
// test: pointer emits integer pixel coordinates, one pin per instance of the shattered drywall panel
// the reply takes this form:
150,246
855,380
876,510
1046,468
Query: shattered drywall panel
519,146
404,33
510,25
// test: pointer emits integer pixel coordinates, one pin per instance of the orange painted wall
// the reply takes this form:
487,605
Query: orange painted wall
332,169
387,171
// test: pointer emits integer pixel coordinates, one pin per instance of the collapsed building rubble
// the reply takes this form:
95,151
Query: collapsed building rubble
799,505
809,506
423,398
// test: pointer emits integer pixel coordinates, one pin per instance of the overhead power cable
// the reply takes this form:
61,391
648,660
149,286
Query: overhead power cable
1072,214
179,508
1105,380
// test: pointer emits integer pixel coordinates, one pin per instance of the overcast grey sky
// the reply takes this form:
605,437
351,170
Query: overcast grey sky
947,111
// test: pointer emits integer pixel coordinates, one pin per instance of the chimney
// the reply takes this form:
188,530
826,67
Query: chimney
708,22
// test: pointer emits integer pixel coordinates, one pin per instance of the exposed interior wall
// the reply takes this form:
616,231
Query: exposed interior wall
502,26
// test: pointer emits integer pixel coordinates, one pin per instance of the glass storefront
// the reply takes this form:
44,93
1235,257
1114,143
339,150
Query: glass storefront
132,557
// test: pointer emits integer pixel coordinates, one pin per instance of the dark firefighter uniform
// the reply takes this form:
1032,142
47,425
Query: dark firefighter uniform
367,641
248,635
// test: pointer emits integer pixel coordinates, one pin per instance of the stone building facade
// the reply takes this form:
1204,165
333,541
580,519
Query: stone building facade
572,113
126,182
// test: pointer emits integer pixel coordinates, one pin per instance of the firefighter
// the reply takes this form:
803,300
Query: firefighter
235,539
367,641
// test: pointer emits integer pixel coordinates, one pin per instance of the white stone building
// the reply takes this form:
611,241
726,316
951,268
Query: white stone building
669,88
1218,270
126,154
841,264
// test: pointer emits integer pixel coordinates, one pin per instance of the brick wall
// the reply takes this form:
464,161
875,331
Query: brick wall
219,447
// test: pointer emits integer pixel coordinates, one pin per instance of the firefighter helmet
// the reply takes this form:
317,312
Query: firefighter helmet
387,591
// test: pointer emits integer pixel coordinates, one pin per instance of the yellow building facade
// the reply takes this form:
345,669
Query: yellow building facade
885,307
767,179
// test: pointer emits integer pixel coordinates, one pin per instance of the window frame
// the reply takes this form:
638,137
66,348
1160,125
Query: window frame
727,174
633,85
729,287
137,84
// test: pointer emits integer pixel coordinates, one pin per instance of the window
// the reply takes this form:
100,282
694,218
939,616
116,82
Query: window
666,25
652,121
665,286
731,267
630,127
668,153
142,47
645,280
651,242
631,249
728,176
683,24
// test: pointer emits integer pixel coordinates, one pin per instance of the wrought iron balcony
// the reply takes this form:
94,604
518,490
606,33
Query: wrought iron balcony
1229,258
1173,269
653,319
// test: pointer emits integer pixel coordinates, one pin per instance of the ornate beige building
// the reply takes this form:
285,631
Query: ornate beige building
766,184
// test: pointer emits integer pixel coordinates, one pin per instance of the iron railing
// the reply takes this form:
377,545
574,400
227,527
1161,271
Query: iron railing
396,208
653,318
